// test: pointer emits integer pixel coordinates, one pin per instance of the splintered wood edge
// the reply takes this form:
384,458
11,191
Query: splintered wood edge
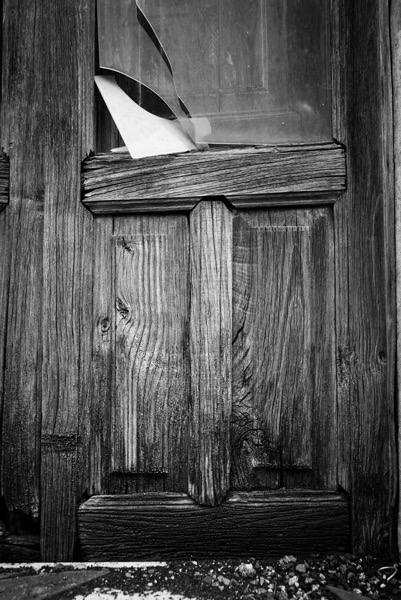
4,182
247,177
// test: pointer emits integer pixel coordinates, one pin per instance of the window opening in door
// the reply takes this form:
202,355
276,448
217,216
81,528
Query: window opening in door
227,71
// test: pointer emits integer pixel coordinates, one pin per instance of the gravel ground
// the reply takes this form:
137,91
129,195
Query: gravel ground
288,578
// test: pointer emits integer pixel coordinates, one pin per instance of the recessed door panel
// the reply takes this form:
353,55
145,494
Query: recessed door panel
151,360
283,350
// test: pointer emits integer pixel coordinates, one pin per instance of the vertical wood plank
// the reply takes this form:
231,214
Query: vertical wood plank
149,427
396,72
210,351
364,231
67,74
21,256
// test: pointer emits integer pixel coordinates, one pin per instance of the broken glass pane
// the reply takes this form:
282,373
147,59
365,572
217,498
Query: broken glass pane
258,71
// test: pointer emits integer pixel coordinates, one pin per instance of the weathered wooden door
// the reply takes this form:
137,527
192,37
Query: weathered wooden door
216,334
205,363
223,346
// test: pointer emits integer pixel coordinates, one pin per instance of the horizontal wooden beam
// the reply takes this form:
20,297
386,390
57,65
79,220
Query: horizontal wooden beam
172,526
4,182
247,177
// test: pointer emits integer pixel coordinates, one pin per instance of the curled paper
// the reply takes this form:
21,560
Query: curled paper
128,44
145,134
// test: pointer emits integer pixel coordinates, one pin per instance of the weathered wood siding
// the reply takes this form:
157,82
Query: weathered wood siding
396,66
67,76
21,249
364,222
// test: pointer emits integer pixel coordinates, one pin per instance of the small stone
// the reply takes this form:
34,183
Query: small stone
287,560
208,580
300,568
246,570
235,584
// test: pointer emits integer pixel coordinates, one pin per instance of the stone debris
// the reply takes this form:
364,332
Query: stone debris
316,577
99,594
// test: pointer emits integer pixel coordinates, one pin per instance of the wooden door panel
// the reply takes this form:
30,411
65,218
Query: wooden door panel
149,426
177,281
283,326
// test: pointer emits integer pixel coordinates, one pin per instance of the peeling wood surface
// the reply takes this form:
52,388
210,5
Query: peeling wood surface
68,246
364,232
284,422
149,427
174,527
114,183
21,249
210,352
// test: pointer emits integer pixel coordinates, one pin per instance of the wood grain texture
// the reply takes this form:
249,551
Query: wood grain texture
149,420
67,69
4,182
283,427
210,352
20,548
396,72
364,232
172,526
103,352
117,183
21,257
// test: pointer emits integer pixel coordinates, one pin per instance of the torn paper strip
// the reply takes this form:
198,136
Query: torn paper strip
129,45
144,134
